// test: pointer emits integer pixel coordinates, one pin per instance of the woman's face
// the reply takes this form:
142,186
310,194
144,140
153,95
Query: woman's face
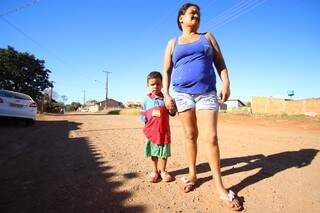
191,17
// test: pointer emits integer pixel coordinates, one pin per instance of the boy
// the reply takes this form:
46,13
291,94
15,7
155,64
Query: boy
157,130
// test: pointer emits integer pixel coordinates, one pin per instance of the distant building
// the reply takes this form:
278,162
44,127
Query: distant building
90,106
133,104
111,103
232,104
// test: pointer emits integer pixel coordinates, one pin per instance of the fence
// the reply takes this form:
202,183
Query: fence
268,105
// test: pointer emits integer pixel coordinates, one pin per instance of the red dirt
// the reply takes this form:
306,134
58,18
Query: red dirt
95,163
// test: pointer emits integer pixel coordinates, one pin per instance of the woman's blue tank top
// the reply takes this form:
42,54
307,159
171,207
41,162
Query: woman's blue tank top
193,71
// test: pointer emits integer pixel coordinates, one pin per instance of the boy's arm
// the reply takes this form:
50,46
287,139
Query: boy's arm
142,116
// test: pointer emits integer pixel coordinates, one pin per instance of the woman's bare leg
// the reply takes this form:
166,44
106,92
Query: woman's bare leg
207,121
189,123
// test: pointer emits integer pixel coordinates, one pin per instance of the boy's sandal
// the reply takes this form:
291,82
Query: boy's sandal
166,176
187,185
153,177
231,201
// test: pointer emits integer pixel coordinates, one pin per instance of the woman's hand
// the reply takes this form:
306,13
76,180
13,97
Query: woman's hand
170,104
224,93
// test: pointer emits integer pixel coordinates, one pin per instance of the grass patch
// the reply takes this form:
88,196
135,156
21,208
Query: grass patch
130,111
285,116
113,112
246,111
241,110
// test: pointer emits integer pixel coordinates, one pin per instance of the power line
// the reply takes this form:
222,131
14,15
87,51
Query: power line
32,40
227,12
237,14
226,16
164,17
233,13
22,7
17,9
206,8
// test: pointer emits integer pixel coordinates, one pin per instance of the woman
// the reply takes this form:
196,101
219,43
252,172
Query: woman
188,62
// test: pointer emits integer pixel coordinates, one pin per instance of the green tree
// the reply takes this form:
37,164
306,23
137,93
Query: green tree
73,106
64,98
23,72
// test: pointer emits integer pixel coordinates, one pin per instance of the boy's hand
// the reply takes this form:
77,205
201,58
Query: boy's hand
172,112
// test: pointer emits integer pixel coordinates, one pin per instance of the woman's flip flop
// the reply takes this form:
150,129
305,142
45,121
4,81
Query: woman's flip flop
187,185
231,201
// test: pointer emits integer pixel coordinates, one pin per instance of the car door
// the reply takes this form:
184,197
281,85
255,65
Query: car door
20,105
5,108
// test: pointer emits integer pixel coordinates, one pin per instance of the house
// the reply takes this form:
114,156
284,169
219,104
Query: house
133,104
90,106
232,104
111,103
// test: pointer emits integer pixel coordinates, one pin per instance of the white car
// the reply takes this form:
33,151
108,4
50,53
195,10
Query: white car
17,105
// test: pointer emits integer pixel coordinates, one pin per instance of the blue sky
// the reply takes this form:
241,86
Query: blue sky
270,46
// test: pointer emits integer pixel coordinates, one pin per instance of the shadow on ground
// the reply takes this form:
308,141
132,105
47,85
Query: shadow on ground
43,169
269,166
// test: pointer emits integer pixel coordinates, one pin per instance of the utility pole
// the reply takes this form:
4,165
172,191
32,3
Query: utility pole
106,101
50,98
50,95
84,96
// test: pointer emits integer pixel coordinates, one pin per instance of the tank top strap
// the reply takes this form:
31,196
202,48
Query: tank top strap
202,35
175,44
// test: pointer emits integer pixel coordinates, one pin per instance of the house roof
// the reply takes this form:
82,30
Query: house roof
237,101
109,99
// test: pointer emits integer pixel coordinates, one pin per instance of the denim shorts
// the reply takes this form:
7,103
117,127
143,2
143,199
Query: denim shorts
186,101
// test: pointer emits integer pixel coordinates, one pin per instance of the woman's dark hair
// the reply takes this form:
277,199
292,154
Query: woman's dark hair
154,74
183,10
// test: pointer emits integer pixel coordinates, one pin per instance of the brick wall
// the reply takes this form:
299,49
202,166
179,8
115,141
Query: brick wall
280,106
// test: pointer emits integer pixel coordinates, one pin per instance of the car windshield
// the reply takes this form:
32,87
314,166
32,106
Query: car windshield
9,94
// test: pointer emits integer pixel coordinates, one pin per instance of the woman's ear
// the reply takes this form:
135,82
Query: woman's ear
181,19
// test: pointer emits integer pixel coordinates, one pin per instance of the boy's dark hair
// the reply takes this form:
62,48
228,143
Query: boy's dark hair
154,74
183,10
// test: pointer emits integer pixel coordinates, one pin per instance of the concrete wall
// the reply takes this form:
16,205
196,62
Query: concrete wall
94,108
232,104
280,106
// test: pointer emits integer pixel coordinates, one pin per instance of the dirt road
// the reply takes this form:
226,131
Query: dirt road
95,163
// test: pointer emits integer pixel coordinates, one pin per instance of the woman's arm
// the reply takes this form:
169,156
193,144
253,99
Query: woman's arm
167,69
220,67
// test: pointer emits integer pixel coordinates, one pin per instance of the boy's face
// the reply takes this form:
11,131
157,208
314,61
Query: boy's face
155,86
